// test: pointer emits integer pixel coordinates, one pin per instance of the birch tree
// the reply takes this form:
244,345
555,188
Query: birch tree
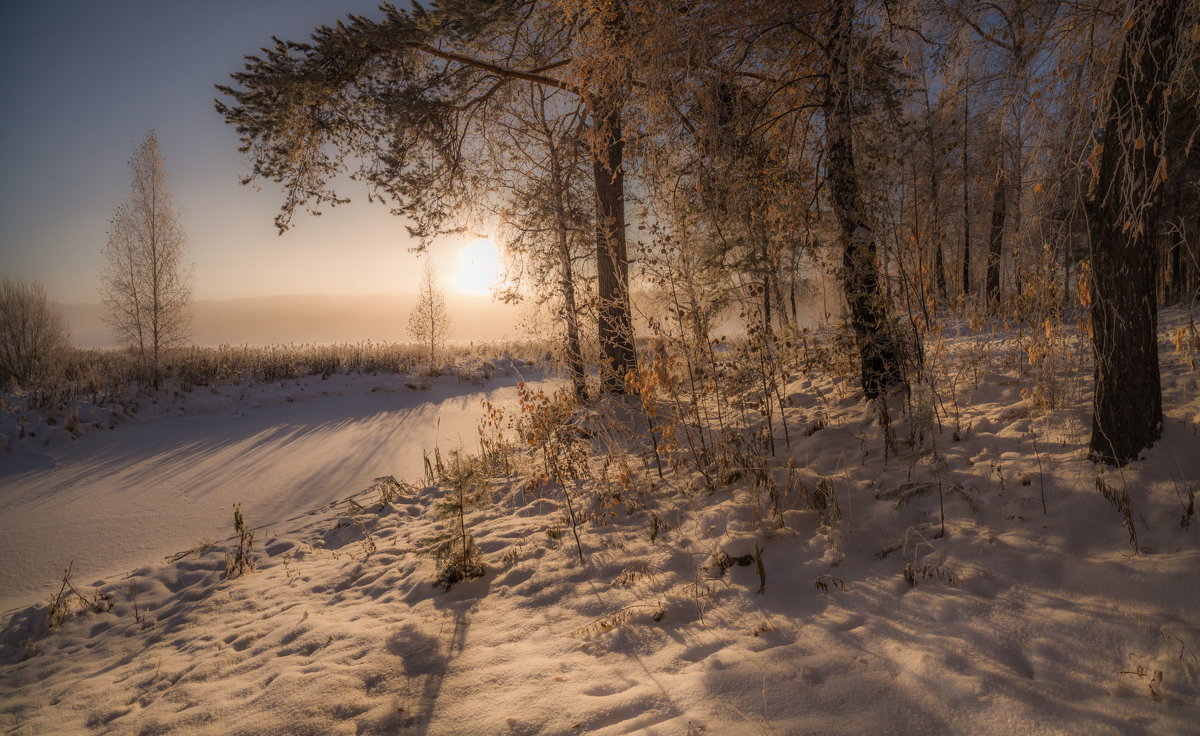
429,322
146,283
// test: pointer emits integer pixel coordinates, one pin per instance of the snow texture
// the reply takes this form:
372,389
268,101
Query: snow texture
1014,622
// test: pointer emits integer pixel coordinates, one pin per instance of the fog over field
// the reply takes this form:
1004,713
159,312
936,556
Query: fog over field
315,318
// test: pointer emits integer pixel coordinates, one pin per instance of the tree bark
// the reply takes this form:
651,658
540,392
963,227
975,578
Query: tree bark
966,205
1123,223
612,263
935,232
878,352
939,263
996,238
567,275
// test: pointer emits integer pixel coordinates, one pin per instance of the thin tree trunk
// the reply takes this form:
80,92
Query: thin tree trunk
1123,224
996,238
764,259
566,272
571,317
878,353
966,203
939,264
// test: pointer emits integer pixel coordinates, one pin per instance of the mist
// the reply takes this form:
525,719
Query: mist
313,318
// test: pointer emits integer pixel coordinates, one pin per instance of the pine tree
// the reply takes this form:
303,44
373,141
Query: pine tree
404,97
1123,224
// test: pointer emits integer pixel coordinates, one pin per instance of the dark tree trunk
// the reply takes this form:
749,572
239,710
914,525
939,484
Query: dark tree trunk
612,263
966,206
765,260
1123,224
1180,217
939,264
878,352
935,233
996,239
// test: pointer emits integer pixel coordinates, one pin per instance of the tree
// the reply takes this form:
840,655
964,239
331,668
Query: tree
536,171
879,355
403,96
1132,165
146,283
32,335
429,322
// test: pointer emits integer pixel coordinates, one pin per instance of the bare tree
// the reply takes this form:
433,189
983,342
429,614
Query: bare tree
146,282
32,335
429,322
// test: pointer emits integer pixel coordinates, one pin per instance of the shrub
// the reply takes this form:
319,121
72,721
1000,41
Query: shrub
32,335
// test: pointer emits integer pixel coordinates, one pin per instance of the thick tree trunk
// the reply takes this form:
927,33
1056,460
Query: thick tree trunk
996,239
1123,224
878,352
612,264
618,353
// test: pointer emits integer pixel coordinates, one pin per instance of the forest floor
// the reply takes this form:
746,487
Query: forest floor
792,598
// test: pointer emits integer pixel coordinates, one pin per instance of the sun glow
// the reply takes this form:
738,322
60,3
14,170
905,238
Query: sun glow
478,267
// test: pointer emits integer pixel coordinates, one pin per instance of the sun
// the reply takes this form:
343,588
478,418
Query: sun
478,267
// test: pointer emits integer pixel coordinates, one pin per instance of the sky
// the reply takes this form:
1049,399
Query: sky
82,83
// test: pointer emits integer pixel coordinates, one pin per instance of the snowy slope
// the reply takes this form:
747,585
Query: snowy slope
1014,622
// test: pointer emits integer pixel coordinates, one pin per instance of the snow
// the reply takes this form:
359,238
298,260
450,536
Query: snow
169,474
1015,622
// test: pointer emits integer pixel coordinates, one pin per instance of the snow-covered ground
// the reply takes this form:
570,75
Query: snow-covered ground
1014,622
167,476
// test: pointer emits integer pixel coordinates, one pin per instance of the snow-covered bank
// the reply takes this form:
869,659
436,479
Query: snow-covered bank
167,477
1014,622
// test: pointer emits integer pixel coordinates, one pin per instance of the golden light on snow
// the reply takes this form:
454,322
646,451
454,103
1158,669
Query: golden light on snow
478,267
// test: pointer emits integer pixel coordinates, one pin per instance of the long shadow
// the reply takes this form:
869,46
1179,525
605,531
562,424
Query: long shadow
104,454
428,658
280,461
144,453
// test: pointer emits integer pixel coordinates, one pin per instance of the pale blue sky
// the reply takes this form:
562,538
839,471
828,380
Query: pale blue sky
82,82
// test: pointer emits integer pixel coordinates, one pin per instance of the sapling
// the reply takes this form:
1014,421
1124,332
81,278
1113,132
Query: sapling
240,562
903,494
1041,475
462,560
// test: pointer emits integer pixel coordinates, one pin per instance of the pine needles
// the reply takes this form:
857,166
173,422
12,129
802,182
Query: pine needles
460,557
905,493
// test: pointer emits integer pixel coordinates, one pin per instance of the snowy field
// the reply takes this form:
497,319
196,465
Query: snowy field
167,476
1015,622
